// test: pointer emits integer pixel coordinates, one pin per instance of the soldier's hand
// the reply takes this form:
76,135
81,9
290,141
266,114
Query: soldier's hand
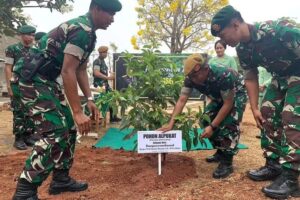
258,118
207,133
83,123
165,128
93,109
111,77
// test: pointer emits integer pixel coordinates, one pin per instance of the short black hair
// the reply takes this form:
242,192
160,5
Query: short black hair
221,42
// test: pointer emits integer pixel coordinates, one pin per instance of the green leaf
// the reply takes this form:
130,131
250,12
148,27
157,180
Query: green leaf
206,118
203,143
195,139
125,123
188,145
135,147
130,135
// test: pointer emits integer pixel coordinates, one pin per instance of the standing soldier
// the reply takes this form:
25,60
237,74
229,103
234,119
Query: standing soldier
65,51
225,87
22,129
101,78
274,45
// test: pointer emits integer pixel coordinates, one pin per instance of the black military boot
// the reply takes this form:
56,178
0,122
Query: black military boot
215,157
270,171
62,182
19,143
284,185
25,191
224,168
29,140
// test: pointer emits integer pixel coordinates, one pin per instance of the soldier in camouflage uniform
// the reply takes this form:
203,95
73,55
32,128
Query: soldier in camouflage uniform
22,128
274,45
100,74
225,87
65,51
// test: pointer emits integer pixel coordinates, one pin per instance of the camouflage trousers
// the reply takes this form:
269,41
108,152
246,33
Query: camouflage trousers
54,126
226,137
281,131
22,125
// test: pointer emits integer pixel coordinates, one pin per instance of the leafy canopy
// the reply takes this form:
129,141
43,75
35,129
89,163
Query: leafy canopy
179,24
12,12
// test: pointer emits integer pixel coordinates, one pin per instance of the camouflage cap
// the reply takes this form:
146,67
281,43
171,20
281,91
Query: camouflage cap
192,61
222,18
102,49
109,5
26,29
39,35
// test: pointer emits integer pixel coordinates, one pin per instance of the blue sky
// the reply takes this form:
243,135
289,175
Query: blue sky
125,26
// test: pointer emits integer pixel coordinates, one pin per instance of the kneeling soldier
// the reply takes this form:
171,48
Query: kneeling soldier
225,88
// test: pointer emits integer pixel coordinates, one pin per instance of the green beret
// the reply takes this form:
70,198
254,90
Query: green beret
26,29
222,18
39,35
109,5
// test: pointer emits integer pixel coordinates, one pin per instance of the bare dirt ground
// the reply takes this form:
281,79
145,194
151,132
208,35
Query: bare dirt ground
125,175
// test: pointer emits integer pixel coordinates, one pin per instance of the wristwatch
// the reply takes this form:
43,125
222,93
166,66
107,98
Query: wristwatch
213,127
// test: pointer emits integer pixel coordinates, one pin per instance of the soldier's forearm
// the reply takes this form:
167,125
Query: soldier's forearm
68,73
100,75
178,108
253,90
71,91
83,82
8,74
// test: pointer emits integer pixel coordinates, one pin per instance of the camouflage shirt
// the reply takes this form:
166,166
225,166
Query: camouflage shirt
16,51
220,84
274,45
99,64
75,37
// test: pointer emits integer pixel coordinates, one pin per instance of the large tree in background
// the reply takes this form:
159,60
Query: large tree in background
179,24
12,16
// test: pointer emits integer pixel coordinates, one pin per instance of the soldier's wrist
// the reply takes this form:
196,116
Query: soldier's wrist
213,127
90,98
77,111
254,108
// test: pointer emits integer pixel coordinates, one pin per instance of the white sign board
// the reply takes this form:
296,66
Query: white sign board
159,142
